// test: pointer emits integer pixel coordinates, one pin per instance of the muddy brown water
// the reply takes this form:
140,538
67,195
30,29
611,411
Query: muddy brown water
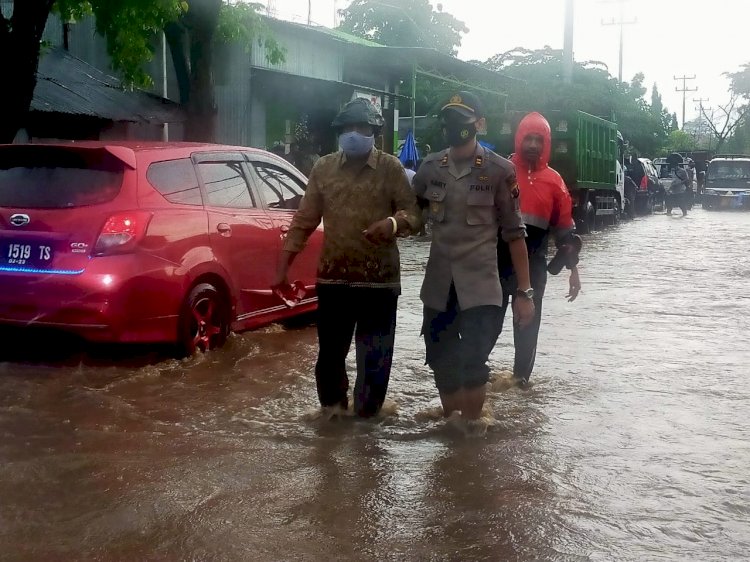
633,443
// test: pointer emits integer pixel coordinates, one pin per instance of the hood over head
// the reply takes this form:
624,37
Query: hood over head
534,124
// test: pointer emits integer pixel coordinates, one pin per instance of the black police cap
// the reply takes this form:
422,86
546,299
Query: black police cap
466,104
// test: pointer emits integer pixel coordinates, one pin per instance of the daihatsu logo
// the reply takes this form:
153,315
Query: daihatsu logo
20,219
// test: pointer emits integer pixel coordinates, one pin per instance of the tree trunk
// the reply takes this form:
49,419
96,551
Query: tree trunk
201,21
20,43
175,34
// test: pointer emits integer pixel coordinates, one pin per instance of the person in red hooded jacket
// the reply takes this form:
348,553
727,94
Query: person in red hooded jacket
546,208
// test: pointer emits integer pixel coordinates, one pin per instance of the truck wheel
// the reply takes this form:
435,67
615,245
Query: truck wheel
587,222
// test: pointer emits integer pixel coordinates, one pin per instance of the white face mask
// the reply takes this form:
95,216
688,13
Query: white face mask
356,144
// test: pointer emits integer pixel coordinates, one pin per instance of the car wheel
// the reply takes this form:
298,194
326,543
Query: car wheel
204,322
631,206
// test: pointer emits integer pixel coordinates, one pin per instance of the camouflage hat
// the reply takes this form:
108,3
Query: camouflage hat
358,111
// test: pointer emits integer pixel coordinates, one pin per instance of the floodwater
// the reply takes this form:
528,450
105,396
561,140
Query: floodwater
632,444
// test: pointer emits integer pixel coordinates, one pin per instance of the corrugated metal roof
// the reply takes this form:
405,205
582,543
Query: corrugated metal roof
66,84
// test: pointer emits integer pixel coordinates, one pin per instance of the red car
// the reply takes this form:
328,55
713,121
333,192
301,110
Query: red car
147,242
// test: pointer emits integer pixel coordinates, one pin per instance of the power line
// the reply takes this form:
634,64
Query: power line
622,22
684,91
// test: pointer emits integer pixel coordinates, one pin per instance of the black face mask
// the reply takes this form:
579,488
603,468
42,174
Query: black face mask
459,134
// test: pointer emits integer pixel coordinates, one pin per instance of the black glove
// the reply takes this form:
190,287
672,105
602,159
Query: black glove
566,255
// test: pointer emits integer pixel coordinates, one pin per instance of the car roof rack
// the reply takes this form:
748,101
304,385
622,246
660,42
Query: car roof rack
731,156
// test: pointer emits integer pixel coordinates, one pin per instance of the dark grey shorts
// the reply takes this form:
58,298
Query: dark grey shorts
459,342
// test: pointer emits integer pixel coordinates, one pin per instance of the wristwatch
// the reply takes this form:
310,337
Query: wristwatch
528,293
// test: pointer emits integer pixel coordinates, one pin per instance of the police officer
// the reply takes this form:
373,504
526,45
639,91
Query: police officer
546,208
470,192
363,197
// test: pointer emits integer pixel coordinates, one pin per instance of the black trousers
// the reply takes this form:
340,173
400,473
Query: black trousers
525,339
370,316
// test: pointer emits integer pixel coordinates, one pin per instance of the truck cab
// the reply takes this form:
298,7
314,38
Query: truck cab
727,182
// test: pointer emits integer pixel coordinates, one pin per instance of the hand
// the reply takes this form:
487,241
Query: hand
523,311
380,231
575,285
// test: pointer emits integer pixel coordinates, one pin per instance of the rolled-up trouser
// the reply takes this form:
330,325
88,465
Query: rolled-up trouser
459,342
368,314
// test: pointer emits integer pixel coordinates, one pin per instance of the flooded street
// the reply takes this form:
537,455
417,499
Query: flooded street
633,443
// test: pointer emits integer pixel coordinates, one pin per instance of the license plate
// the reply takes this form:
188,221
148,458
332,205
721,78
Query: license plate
26,254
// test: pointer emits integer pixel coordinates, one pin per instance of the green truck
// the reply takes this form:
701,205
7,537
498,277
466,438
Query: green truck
587,151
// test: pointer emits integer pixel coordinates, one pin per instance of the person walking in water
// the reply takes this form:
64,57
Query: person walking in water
365,200
678,188
470,192
547,209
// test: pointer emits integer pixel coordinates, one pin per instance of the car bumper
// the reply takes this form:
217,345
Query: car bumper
734,201
99,304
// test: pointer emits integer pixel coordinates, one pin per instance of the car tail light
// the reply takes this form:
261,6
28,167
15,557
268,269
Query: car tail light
644,182
121,233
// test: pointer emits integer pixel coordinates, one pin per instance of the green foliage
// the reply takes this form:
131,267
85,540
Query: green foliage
593,90
679,141
242,23
403,23
130,26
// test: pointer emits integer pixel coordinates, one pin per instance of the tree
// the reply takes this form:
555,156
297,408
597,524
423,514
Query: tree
130,27
20,43
679,141
657,106
593,90
191,40
724,122
403,23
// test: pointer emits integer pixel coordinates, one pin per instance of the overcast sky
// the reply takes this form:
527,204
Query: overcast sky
671,38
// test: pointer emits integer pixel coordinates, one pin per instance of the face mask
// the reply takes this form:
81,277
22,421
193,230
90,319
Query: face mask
356,144
458,134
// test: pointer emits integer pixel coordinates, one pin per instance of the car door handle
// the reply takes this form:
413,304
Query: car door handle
224,229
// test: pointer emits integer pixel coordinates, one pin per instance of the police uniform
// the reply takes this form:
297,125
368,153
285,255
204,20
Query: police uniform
461,292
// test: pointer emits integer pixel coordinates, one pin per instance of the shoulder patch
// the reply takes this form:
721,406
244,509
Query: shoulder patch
512,183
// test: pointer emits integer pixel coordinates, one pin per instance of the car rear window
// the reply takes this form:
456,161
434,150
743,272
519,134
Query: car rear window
58,178
176,181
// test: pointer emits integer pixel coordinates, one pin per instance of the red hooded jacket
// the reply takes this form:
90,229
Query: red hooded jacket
545,201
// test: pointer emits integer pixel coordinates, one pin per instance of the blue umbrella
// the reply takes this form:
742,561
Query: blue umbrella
409,150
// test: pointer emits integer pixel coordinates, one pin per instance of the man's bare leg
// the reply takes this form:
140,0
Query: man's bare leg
452,402
473,401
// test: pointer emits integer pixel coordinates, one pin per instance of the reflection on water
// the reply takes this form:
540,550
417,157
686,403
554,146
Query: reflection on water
631,444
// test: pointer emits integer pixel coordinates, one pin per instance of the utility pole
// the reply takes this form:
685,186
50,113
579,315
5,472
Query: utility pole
309,12
622,22
684,91
568,42
701,117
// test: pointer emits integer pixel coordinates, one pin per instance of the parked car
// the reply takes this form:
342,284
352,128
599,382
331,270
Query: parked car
152,242
727,183
644,188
